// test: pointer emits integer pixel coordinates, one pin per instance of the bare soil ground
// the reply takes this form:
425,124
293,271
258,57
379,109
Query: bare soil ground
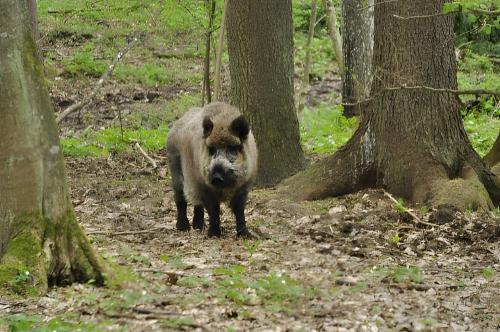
356,263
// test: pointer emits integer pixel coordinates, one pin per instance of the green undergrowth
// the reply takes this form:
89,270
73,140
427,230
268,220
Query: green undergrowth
38,323
324,129
114,140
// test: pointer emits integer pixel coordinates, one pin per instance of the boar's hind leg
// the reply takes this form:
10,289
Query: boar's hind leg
213,209
198,222
174,161
238,207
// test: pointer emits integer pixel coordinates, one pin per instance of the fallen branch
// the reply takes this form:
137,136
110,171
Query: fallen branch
159,271
148,158
476,92
476,11
144,231
99,83
415,217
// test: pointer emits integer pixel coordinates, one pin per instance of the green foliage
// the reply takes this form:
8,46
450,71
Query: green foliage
35,323
482,130
324,129
84,63
114,140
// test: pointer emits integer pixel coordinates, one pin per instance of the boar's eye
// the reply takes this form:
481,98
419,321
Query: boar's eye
211,150
235,149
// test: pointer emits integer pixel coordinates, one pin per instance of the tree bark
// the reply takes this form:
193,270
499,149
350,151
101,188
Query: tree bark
260,44
410,141
493,156
357,41
40,236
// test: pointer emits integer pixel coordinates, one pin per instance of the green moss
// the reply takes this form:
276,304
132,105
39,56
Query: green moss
23,270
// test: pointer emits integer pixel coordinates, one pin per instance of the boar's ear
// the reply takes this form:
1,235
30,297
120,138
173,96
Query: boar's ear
240,127
208,125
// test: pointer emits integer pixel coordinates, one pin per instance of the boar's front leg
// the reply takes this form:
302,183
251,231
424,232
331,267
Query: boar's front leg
237,204
213,208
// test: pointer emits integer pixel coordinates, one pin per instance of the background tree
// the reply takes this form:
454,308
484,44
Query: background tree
411,138
260,45
357,40
40,238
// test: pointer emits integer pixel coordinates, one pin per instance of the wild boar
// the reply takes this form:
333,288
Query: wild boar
212,158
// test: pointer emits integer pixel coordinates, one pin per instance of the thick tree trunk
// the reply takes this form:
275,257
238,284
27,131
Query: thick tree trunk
40,236
410,141
357,40
260,44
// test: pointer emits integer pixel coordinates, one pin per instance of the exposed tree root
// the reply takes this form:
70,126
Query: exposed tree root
418,178
43,253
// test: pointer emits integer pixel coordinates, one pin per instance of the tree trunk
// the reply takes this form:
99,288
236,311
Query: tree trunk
41,242
493,156
410,141
357,39
260,44
218,56
334,33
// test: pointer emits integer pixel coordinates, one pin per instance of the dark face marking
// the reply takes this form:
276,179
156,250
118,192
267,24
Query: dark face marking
208,126
240,127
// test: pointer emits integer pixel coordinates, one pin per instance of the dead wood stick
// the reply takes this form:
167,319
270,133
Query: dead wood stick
99,83
144,231
160,271
151,160
415,217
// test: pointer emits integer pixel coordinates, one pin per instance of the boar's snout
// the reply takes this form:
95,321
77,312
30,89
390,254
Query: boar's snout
221,178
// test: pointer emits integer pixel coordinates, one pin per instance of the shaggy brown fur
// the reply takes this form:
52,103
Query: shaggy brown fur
204,145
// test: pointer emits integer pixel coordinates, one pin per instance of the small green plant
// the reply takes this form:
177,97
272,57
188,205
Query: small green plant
400,206
251,247
488,273
394,240
193,281
174,262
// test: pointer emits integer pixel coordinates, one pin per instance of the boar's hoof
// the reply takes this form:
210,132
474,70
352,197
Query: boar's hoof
198,224
213,231
245,234
182,225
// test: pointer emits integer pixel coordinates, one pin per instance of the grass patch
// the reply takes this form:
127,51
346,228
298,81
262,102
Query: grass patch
114,140
324,129
482,130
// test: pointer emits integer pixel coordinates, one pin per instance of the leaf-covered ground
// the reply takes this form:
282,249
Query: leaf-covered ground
354,263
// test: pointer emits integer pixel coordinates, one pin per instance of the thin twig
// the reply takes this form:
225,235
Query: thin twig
151,160
415,217
97,88
144,231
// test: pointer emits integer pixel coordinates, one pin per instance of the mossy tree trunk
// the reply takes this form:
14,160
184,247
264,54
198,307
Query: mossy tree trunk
260,44
357,45
410,141
41,242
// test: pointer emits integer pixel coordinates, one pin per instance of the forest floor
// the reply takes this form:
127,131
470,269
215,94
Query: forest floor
355,263
358,262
